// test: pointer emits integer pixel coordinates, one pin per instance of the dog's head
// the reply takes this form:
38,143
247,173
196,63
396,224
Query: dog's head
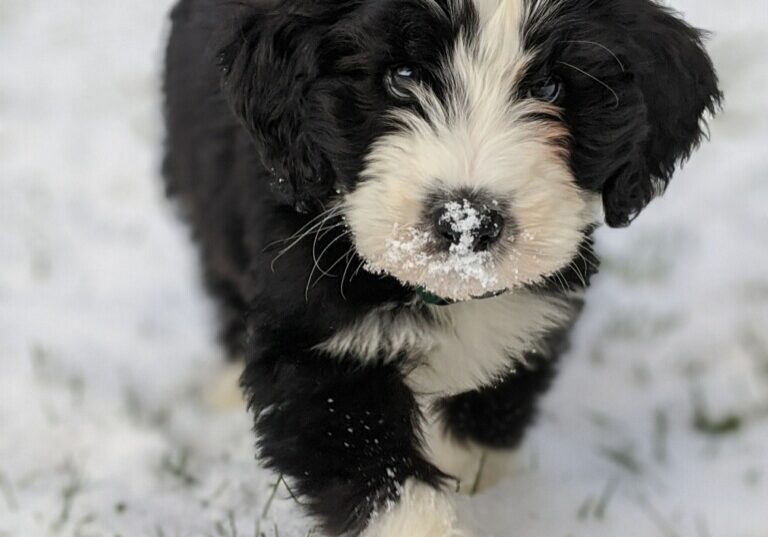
470,144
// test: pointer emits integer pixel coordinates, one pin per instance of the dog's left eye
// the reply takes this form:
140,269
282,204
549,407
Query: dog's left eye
547,89
400,80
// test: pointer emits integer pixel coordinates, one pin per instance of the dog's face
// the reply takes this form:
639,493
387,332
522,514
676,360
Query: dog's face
470,144
470,191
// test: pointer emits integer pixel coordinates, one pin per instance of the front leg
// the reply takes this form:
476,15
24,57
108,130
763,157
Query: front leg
473,435
346,435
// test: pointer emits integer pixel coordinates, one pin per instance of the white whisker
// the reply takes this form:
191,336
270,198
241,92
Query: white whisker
313,222
593,77
316,266
609,51
317,227
318,236
357,270
327,272
350,258
328,246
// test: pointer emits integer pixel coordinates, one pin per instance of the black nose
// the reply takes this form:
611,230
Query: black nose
470,225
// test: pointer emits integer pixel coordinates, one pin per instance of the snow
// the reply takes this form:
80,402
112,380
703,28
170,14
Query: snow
459,273
658,425
464,220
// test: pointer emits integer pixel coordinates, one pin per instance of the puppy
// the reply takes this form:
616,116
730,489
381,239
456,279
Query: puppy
395,202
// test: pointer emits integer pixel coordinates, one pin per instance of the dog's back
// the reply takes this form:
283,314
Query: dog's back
210,167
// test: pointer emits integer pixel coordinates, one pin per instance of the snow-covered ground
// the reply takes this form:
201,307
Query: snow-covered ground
658,425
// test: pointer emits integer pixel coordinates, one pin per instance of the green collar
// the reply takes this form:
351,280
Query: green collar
431,298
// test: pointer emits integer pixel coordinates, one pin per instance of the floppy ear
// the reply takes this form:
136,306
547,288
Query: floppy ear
678,83
268,60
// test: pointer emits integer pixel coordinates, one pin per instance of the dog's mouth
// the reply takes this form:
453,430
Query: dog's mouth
437,276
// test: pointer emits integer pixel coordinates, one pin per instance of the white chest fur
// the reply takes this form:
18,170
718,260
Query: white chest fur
466,346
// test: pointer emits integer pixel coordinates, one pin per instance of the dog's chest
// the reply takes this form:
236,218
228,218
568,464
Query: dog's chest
456,348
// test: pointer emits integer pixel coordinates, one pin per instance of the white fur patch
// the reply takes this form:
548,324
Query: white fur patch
469,345
475,467
421,511
486,8
381,334
481,138
485,340
461,461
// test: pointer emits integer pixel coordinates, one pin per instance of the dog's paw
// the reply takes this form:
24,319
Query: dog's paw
475,468
463,462
495,466
421,511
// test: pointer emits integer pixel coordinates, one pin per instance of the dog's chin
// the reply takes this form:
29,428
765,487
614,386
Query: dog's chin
446,289
432,299
443,280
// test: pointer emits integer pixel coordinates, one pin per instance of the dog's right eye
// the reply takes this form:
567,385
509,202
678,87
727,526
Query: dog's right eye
548,89
400,81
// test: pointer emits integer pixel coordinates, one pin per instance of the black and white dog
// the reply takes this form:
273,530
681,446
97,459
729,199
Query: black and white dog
395,201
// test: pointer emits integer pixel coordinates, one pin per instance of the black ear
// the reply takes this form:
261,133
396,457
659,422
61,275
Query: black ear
268,59
678,84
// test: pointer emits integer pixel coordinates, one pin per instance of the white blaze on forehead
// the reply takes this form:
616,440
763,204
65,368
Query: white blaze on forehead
477,136
500,15
486,8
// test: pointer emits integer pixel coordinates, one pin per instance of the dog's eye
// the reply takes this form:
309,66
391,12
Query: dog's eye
547,89
400,80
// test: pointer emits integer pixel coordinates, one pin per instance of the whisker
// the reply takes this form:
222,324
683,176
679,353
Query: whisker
588,263
328,271
554,279
573,266
328,246
316,266
593,77
329,214
357,270
557,279
563,283
609,51
313,222
294,243
327,230
319,234
582,277
350,258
